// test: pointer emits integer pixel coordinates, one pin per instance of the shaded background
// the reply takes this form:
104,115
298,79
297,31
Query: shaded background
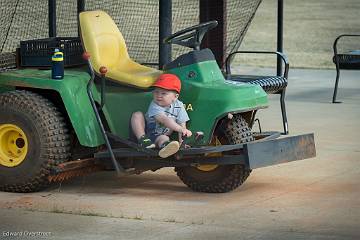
310,28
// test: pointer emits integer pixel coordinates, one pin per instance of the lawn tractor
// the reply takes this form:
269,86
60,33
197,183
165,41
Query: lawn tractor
54,129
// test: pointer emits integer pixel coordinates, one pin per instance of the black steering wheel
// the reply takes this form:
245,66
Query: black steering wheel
192,36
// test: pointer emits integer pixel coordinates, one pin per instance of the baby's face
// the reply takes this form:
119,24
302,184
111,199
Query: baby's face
163,97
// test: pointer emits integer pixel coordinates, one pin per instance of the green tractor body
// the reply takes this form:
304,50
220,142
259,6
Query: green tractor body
205,93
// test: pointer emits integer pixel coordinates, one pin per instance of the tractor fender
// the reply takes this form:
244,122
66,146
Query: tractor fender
73,94
247,114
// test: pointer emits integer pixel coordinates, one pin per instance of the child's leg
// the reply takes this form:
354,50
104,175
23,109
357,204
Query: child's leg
160,140
138,124
138,128
167,148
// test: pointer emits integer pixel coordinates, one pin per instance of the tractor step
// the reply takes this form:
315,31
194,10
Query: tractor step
263,152
267,150
133,150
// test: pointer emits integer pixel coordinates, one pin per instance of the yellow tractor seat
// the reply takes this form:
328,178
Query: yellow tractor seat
102,39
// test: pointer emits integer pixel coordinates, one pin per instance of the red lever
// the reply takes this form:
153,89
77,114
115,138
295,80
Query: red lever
103,70
86,56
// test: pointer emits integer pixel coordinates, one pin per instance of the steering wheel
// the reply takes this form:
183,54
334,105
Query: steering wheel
192,36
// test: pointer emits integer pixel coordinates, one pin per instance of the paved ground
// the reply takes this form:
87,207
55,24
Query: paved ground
312,199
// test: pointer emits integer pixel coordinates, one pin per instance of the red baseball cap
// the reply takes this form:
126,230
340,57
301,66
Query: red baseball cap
169,82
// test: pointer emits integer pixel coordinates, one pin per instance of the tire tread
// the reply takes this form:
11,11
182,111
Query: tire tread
55,142
236,131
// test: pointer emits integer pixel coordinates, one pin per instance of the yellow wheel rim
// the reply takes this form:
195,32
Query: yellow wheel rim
207,167
13,145
211,167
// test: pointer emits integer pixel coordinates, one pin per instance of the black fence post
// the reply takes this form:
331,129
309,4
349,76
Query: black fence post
52,18
215,39
80,8
165,29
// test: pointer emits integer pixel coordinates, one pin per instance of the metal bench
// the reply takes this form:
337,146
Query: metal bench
348,60
271,84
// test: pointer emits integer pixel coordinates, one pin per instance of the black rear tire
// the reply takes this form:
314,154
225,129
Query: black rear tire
47,137
223,178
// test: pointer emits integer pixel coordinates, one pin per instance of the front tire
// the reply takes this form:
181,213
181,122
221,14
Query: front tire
33,139
220,178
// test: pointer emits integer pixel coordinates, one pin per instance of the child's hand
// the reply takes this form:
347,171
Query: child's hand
186,132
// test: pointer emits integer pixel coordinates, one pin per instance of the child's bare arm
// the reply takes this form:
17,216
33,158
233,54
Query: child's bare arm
171,124
186,132
168,122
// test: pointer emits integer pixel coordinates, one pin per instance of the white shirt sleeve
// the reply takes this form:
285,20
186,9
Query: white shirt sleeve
154,110
182,116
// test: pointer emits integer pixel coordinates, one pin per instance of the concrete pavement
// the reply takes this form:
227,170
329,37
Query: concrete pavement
312,199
